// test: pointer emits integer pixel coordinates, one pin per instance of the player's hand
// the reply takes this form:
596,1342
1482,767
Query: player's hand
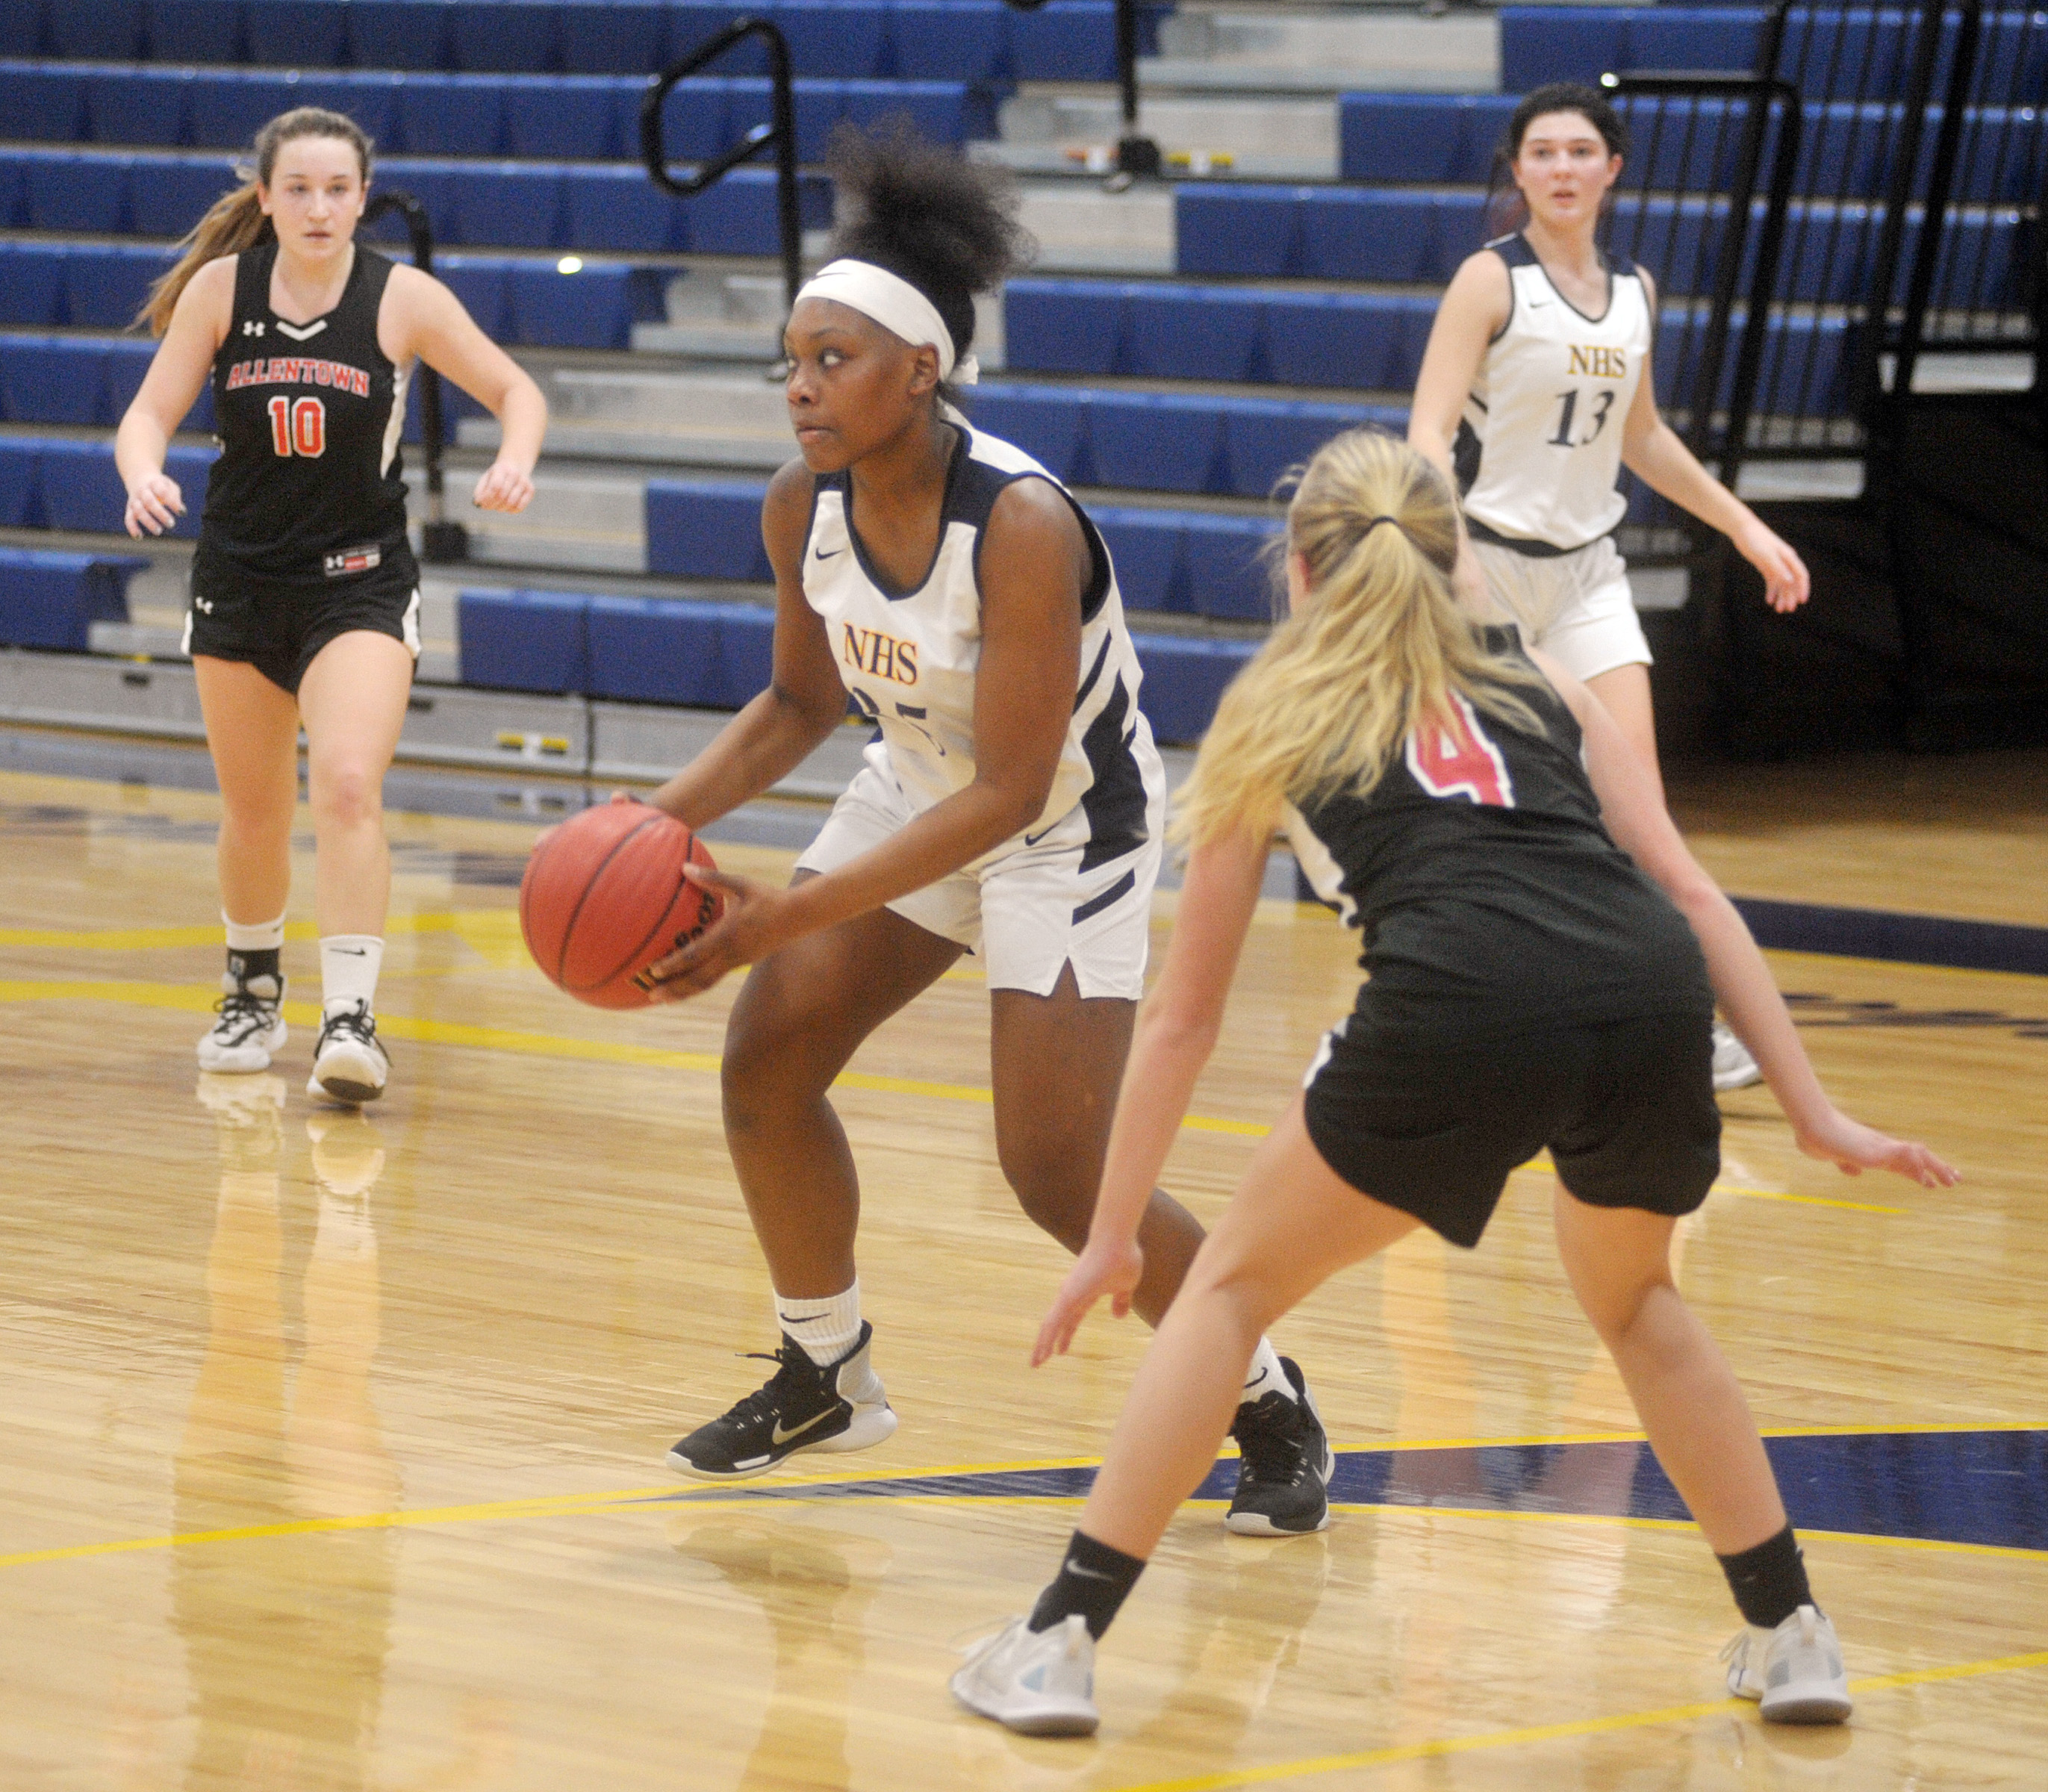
758,917
1114,1269
155,505
1786,584
1853,1148
504,487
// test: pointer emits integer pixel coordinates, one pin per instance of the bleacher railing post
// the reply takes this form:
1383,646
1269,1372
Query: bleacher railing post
780,132
441,541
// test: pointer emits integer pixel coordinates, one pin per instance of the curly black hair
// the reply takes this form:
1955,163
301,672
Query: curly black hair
944,224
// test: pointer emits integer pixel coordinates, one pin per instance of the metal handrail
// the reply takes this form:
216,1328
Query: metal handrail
780,132
1761,91
440,541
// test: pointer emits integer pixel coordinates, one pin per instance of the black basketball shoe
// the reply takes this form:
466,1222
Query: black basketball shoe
1283,1482
841,1407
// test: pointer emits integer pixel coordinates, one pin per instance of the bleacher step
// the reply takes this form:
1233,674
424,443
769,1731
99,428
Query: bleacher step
1277,50
1046,128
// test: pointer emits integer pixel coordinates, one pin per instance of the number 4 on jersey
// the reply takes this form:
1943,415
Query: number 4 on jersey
1449,755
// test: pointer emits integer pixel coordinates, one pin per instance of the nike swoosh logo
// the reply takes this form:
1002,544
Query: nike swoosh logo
350,952
1033,840
1256,1380
778,1436
1073,1567
822,555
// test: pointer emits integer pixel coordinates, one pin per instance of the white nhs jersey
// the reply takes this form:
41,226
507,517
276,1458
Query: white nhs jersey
1538,453
909,662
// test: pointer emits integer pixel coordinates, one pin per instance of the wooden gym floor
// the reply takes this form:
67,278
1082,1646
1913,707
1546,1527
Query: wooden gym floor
334,1442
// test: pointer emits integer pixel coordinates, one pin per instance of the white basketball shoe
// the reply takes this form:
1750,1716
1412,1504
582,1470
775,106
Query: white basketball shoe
1794,1672
1038,1683
1734,1068
350,1065
248,1025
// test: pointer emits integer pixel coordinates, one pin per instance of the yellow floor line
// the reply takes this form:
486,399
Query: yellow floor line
150,939
1439,1747
194,999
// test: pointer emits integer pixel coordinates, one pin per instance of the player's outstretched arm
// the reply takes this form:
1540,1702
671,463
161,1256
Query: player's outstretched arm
1634,812
1651,450
431,323
1473,311
1177,1031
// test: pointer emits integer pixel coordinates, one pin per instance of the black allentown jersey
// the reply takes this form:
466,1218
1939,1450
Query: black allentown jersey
309,487
1492,899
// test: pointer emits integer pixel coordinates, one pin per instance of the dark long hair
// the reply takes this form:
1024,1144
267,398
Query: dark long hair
1505,210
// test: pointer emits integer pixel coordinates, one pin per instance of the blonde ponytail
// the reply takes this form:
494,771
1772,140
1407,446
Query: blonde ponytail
235,221
1378,644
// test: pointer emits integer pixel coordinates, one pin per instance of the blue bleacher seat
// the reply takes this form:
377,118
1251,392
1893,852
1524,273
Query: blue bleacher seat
706,528
196,31
53,379
31,284
517,37
139,105
951,40
480,281
106,284
296,34
1400,138
41,105
1240,229
22,27
51,599
86,194
1164,442
1047,422
692,22
510,205
1227,578
827,38
1368,339
591,308
438,184
695,118
20,482
1147,547
579,118
673,650
1192,332
228,106
96,31
614,36
738,217
371,98
1065,40
524,640
399,33
618,208
1262,441
453,116
1184,678
1684,38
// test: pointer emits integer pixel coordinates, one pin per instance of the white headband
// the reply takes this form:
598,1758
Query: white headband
893,303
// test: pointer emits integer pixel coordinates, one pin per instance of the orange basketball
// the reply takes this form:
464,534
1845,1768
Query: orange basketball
604,896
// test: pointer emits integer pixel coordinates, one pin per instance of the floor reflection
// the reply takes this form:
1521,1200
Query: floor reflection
285,1638
813,1584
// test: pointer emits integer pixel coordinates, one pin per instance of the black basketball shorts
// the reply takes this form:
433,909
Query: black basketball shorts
279,628
1434,1126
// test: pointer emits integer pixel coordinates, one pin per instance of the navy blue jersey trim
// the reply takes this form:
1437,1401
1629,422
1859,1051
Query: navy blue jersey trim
1109,898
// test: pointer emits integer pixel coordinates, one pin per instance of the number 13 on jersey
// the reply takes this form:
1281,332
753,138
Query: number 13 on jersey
298,426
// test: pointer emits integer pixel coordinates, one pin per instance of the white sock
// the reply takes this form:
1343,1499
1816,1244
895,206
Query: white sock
262,935
1266,1375
825,1328
349,964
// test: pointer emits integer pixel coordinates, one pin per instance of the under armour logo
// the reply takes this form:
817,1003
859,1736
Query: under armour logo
204,604
252,327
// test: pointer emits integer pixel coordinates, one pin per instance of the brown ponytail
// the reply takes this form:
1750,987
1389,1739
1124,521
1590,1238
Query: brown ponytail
235,221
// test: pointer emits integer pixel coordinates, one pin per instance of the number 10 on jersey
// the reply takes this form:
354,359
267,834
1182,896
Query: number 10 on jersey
298,426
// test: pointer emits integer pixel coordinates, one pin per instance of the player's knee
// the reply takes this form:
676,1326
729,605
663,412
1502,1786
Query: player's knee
346,794
1055,1194
765,1067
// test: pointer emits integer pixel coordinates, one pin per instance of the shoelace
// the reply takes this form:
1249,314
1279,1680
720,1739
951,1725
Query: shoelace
242,1013
357,1023
1270,1443
765,1402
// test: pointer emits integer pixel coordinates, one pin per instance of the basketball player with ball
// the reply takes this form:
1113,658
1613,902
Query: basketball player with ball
952,589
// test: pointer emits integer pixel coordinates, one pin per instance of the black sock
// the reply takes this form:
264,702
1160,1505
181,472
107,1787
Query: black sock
264,961
1769,1582
1094,1580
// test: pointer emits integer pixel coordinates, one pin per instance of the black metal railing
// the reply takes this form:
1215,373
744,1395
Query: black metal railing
779,134
441,539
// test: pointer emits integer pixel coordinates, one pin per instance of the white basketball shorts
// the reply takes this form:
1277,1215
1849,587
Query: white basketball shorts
1578,607
1029,909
